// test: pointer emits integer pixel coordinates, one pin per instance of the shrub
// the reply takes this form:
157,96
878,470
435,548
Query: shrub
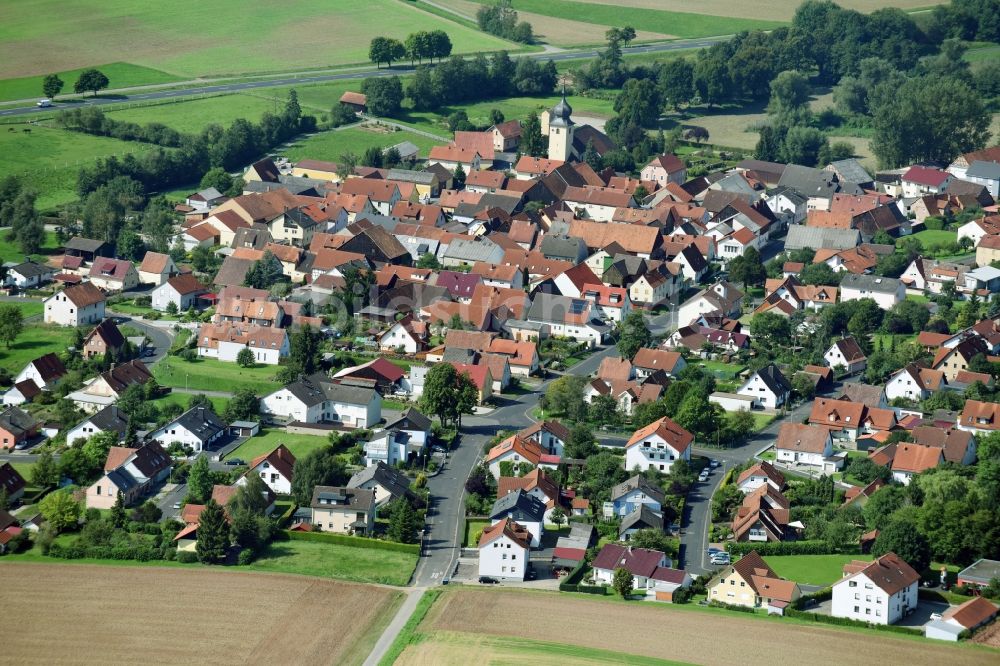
187,557
788,548
847,622
246,556
359,542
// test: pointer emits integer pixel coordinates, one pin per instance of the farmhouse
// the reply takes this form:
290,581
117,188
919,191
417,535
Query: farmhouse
75,306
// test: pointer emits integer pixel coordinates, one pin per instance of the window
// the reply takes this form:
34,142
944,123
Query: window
857,609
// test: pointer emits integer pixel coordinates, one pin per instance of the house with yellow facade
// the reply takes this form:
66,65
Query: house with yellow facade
750,582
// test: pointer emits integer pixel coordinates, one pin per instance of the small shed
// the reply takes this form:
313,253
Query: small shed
244,428
776,607
356,102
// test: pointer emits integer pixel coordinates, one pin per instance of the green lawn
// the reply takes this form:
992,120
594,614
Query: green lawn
34,341
884,340
761,421
24,469
327,560
811,569
9,251
932,236
472,528
678,24
299,445
121,75
192,115
49,158
722,370
330,145
178,38
213,375
183,399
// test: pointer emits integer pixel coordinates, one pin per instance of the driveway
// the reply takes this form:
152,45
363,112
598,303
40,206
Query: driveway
170,494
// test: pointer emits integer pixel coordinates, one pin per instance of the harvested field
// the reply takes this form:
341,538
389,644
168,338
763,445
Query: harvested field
82,614
989,636
774,10
690,631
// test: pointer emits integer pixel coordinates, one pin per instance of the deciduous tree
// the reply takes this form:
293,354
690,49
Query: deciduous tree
633,335
60,510
52,85
90,80
622,582
11,323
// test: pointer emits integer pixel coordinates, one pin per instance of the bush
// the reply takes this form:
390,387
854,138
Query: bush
186,557
358,542
789,548
246,557
846,622
741,609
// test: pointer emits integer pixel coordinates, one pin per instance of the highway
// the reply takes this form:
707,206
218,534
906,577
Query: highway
111,97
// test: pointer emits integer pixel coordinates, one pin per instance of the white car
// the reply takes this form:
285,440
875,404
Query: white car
43,103
720,558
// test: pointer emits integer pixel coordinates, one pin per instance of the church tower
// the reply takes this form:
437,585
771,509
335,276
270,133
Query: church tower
561,130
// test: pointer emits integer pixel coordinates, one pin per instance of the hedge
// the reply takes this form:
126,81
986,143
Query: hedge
789,548
846,622
357,542
77,552
824,594
569,583
286,517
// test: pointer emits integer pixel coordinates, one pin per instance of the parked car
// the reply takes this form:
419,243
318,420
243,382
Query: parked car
177,505
720,558
236,461
488,580
713,463
712,551
935,616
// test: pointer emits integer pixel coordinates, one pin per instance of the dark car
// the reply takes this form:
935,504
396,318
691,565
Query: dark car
236,461
488,580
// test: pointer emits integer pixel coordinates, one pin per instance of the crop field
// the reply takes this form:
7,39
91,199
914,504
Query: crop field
182,39
770,10
50,158
331,560
688,635
193,115
111,614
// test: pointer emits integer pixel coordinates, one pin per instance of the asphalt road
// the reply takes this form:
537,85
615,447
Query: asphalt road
160,340
399,69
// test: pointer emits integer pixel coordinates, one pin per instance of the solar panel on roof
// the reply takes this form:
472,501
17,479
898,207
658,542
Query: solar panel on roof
577,307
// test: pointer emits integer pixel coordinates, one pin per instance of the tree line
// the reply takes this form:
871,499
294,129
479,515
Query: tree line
418,45
89,80
500,19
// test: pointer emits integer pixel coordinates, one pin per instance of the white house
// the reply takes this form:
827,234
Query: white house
197,428
403,335
721,297
567,317
29,274
156,268
275,469
108,419
768,388
879,592
885,291
977,229
642,563
803,444
181,290
75,306
504,548
43,371
847,354
974,613
762,473
401,440
386,483
225,341
914,382
524,509
316,399
113,274
657,446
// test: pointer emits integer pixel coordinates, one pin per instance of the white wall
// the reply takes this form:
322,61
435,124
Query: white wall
872,603
502,558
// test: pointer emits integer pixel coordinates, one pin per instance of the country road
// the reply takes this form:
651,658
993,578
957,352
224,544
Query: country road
118,97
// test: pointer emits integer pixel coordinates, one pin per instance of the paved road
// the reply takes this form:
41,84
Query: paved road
175,493
160,339
400,69
388,637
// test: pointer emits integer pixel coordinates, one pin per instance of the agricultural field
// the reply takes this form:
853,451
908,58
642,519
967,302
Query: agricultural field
122,74
463,617
771,10
299,445
330,560
209,374
35,340
192,115
177,38
50,158
188,615
812,569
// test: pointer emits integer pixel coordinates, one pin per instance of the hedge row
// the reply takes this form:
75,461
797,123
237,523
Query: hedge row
846,622
357,542
789,548
75,552
570,582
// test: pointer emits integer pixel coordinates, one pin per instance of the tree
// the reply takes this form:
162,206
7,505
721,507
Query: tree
384,95
404,524
11,323
819,274
320,468
305,349
244,404
245,357
558,516
789,92
804,145
17,211
622,582
698,416
387,50
565,396
264,272
633,335
582,444
428,260
652,539
532,141
591,156
439,396
52,85
930,119
46,471
200,480
119,517
748,268
902,537
213,534
60,510
90,80
771,330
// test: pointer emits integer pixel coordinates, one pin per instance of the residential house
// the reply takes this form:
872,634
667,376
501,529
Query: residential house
156,268
914,382
858,496
402,439
721,298
276,469
764,516
16,426
635,493
343,510
109,419
648,361
131,473
75,306
504,549
197,428
879,592
663,169
407,335
318,399
225,341
910,459
107,387
806,444
181,290
767,387
846,354
751,583
386,483
29,274
760,474
953,360
44,371
918,181
596,203
522,356
644,564
524,509
885,291
12,483
657,446
523,454
979,574
104,339
552,436
538,484
113,274
567,317
966,617
958,446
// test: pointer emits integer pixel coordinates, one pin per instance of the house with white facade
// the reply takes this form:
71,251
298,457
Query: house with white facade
156,268
225,341
914,382
109,419
342,510
885,291
722,298
635,493
181,290
75,306
804,444
846,353
196,428
387,483
657,446
113,274
568,317
644,564
44,371
406,335
524,509
760,474
504,549
879,592
276,469
767,387
974,613
29,274
402,439
317,399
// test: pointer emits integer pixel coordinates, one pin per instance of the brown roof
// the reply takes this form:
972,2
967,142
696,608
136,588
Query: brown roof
154,262
633,238
752,564
527,449
836,413
557,429
477,340
84,294
280,459
353,98
673,434
889,572
972,613
528,164
508,528
763,468
802,437
915,458
50,367
121,377
536,478
186,284
981,415
656,359
615,368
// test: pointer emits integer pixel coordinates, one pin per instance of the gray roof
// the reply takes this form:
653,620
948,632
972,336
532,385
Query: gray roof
453,355
985,170
30,269
876,283
773,379
84,244
408,176
16,421
474,250
519,505
410,419
640,518
851,171
201,421
405,149
122,479
981,571
563,247
555,308
391,479
809,181
317,388
637,482
815,238
347,499
788,193
110,418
